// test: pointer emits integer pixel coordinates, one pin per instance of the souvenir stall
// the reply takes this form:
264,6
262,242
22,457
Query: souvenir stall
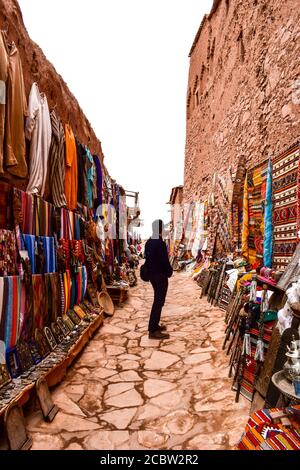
59,257
249,267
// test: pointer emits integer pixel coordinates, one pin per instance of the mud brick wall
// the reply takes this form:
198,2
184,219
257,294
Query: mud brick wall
37,68
243,94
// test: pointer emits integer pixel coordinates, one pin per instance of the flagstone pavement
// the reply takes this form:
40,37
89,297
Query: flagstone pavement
128,392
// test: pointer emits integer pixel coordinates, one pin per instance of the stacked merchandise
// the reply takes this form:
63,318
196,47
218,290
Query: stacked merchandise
262,309
60,223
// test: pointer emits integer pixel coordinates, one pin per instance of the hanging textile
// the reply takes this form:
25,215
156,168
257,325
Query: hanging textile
57,162
8,260
67,224
268,222
256,197
10,317
199,235
38,131
84,282
99,180
82,191
28,243
16,111
48,299
77,235
67,290
49,253
285,210
71,182
3,78
245,226
55,297
39,301
6,205
28,213
61,291
90,176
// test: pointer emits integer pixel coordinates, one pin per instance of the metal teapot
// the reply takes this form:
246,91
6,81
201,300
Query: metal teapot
291,368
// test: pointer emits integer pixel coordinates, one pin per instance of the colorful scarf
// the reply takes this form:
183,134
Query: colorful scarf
49,252
29,242
268,236
39,302
10,320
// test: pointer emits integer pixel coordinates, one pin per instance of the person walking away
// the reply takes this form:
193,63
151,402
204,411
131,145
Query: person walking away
160,271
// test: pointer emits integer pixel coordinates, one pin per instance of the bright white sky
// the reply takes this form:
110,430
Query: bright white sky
126,61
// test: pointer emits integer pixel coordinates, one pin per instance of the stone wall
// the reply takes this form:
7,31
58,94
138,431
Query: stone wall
243,94
37,68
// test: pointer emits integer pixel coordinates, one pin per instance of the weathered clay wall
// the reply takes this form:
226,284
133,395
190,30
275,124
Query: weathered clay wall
243,96
37,68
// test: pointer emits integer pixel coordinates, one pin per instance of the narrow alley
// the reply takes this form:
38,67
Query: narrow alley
128,392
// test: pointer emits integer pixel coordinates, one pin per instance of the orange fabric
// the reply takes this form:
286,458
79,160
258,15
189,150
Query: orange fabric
71,181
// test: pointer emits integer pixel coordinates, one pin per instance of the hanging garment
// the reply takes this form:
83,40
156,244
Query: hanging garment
268,236
38,131
99,180
57,162
90,176
16,110
71,182
3,85
82,189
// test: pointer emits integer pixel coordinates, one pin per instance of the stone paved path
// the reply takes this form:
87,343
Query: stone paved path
128,392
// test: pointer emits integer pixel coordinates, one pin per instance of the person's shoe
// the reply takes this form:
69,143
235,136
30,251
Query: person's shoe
162,328
158,335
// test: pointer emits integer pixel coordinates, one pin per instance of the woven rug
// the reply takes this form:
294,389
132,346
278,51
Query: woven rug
249,373
262,434
285,206
256,180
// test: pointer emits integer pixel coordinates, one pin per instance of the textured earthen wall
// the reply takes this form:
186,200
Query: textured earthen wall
243,95
37,68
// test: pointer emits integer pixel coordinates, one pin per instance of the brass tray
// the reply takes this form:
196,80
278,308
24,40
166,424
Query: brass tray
284,386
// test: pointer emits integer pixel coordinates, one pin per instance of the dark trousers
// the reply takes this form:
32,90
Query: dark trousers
160,285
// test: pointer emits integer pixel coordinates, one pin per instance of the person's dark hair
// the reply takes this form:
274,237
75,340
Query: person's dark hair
157,228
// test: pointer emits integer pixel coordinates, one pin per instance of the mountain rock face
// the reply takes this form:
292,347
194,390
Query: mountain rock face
37,68
243,96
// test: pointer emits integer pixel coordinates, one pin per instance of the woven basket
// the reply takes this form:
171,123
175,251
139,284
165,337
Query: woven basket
106,303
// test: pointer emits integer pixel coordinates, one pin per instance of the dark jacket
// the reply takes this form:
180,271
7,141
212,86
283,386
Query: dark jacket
157,258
